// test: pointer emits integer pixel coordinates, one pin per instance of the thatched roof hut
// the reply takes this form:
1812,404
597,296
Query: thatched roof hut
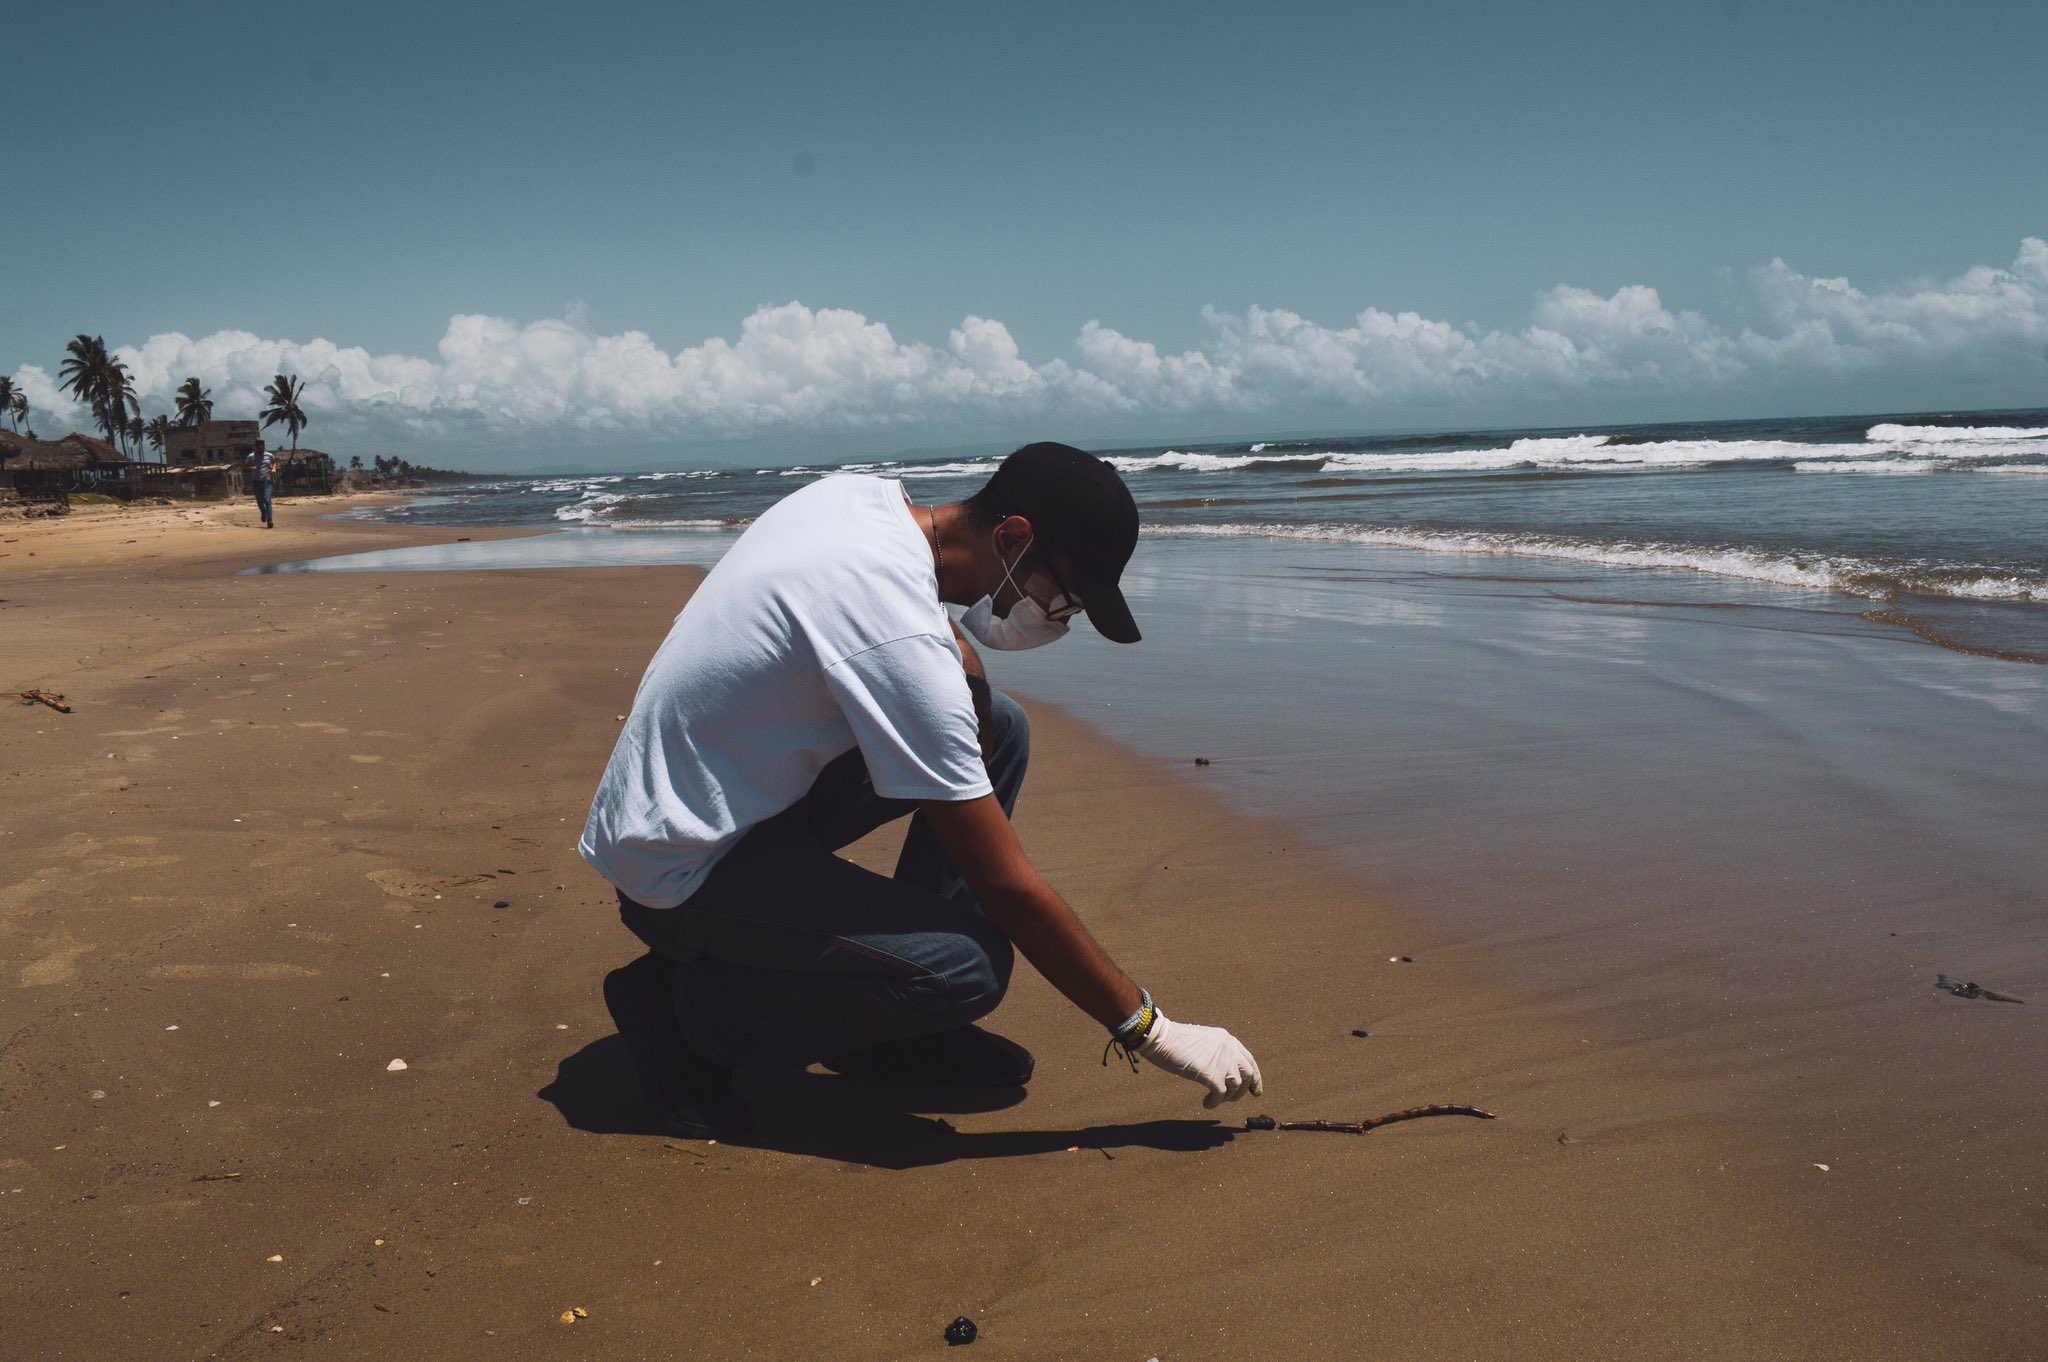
96,451
73,451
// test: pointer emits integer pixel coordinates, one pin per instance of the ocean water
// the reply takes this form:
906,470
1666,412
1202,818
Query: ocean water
1933,524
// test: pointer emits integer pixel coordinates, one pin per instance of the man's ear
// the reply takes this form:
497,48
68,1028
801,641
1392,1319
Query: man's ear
1012,535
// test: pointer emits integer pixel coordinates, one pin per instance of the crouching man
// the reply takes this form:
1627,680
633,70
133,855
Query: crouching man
813,689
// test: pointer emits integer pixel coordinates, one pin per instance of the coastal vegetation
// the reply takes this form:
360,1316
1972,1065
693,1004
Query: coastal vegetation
283,395
13,402
195,404
395,467
101,383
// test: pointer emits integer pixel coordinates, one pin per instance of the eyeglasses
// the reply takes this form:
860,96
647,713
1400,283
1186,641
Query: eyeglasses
1072,606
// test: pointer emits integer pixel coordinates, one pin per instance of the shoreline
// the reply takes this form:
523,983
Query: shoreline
281,815
2000,630
198,532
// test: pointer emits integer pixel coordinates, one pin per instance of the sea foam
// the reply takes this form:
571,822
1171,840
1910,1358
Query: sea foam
1929,435
1812,572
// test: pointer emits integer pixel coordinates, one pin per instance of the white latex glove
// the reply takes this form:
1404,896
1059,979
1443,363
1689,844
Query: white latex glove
1208,1054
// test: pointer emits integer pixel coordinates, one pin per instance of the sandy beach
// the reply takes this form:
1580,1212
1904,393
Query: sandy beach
299,827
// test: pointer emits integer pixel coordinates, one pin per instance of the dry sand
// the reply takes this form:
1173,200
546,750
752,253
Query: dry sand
263,859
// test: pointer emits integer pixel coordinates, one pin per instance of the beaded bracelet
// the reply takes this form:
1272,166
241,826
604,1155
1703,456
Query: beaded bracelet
1136,1027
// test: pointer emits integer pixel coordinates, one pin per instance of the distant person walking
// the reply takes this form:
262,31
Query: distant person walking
262,468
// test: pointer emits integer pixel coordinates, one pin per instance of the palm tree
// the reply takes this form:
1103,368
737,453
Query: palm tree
7,391
19,413
123,411
84,372
283,396
101,382
136,432
195,404
158,430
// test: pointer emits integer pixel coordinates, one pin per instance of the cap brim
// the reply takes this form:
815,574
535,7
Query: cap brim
1107,611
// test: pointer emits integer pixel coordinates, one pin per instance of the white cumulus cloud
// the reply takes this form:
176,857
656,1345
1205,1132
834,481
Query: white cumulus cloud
793,368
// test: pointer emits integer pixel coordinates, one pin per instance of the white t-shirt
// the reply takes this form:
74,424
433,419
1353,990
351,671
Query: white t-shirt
820,630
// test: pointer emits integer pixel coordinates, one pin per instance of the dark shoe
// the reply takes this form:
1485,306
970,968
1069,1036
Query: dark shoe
966,1058
688,1095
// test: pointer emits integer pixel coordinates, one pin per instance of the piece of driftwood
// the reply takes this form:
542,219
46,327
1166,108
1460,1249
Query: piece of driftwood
1973,989
42,697
1360,1127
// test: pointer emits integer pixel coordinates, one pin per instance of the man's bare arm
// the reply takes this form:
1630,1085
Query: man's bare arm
978,838
981,843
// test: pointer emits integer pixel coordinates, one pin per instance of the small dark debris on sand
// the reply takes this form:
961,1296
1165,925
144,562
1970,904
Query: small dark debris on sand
1972,990
1373,1123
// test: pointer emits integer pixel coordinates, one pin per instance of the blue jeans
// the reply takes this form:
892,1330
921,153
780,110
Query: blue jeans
788,954
263,498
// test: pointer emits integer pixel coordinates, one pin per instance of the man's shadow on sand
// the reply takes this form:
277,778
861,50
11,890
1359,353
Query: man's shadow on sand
828,1117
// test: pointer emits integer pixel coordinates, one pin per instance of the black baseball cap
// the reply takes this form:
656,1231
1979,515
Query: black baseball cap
1077,504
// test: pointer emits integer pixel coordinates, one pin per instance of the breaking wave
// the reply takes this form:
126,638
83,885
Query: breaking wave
1967,450
1866,578
1948,434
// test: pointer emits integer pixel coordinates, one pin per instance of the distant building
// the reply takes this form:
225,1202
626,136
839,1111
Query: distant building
212,442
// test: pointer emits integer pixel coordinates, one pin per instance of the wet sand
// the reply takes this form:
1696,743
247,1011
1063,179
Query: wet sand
264,856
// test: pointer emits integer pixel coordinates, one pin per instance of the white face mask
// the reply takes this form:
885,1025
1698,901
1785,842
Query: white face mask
1026,626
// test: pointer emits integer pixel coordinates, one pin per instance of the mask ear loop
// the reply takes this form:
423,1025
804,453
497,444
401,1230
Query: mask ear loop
1009,568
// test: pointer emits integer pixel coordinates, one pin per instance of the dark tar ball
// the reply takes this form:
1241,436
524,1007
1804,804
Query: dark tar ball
960,1331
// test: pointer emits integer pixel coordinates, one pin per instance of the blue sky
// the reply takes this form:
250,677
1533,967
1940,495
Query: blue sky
518,235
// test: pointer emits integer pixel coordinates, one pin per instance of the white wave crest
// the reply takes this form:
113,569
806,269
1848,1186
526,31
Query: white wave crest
1564,447
892,468
592,508
1868,466
1815,572
945,470
1203,463
1556,452
1581,451
576,484
1929,435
